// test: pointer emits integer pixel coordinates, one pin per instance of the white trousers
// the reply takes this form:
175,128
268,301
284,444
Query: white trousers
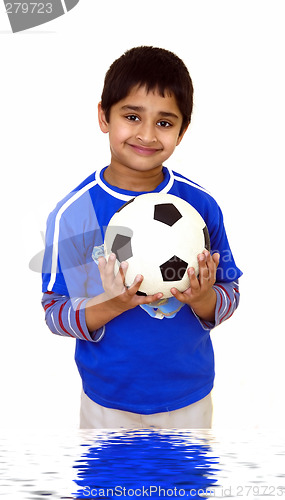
195,416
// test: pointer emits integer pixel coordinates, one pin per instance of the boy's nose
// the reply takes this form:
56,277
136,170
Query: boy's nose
146,133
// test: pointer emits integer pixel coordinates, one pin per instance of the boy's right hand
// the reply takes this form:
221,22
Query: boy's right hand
117,298
122,297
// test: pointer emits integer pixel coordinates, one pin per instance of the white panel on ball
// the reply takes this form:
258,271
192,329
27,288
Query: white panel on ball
160,236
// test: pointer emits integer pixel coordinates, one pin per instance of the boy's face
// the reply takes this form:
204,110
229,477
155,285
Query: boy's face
143,130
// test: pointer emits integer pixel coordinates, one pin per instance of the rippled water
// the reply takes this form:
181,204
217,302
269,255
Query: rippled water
148,464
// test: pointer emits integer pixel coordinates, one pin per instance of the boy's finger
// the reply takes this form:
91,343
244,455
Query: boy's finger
216,258
204,267
152,298
121,275
212,263
194,281
110,264
101,263
135,285
179,295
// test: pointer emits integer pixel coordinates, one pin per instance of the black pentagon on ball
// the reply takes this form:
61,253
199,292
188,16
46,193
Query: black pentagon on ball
143,294
122,247
207,238
173,269
167,213
125,204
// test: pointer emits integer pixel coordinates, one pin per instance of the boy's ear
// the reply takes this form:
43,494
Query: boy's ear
181,136
103,124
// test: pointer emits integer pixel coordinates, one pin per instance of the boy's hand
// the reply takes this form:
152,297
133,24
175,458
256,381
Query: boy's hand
200,296
122,297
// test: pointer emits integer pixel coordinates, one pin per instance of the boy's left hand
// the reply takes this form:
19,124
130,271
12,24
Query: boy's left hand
200,295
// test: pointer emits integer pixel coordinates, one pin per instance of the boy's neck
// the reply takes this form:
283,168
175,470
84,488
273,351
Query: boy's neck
131,180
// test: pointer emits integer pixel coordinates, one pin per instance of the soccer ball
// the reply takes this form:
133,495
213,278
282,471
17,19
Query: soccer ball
160,236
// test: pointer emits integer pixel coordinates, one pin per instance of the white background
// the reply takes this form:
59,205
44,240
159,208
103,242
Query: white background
51,82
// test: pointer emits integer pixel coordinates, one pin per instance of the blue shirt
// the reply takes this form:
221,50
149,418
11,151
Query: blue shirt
140,364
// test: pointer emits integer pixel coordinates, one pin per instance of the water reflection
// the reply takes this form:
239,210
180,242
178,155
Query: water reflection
64,464
147,463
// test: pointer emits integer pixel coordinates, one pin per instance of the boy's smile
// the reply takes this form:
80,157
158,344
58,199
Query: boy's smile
143,132
143,150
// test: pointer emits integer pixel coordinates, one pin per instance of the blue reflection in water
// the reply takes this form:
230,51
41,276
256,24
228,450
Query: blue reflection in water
148,463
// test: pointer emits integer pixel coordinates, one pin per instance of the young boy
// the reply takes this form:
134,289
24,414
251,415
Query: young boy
144,361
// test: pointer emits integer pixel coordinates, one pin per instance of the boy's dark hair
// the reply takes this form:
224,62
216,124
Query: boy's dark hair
153,68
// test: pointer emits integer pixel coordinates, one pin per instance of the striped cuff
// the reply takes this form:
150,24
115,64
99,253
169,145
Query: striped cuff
227,302
66,317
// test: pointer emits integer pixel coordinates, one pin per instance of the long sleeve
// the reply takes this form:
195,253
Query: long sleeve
228,297
66,317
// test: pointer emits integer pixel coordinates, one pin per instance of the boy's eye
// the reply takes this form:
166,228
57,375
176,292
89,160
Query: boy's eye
132,117
163,123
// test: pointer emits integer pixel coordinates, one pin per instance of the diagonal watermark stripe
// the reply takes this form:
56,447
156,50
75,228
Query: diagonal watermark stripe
24,15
